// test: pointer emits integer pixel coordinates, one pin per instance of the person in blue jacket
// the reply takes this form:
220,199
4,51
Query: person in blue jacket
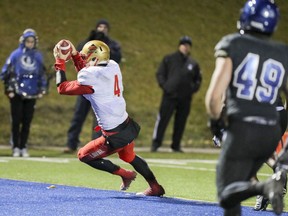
25,81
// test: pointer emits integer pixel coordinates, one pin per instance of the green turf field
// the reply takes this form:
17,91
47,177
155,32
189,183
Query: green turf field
146,30
188,176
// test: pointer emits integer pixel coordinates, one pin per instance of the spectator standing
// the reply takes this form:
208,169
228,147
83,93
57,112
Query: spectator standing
83,106
99,80
24,78
250,71
179,77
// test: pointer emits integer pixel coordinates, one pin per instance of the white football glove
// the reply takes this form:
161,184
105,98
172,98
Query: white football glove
74,51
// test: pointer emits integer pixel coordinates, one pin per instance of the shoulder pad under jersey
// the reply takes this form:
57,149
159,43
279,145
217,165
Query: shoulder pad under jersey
222,48
86,76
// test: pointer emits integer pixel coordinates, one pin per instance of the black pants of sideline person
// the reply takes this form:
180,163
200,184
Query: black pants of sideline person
169,106
82,108
22,111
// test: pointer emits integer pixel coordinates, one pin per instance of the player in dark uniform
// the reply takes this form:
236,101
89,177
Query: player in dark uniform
261,201
250,72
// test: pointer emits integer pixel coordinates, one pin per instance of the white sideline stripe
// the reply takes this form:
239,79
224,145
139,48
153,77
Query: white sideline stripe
181,161
188,168
169,163
199,169
38,159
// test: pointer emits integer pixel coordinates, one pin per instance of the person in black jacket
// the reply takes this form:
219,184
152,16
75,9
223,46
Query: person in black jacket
83,106
179,77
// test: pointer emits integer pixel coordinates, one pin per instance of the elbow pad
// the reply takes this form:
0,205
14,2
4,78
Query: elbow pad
60,77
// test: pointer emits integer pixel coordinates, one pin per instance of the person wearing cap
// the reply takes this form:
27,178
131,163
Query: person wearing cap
101,32
25,81
83,106
179,76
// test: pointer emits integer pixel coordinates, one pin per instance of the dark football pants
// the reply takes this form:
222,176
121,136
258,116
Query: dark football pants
245,149
22,111
181,107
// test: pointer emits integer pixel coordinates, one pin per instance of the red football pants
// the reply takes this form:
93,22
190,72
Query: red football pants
98,148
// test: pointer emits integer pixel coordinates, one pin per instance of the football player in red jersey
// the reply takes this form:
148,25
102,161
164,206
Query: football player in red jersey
99,80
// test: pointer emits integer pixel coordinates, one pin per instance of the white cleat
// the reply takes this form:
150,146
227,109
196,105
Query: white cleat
16,152
24,153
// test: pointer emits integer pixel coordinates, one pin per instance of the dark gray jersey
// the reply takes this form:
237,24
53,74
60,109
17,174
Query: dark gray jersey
260,68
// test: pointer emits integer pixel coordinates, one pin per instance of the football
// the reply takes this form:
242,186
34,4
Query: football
65,48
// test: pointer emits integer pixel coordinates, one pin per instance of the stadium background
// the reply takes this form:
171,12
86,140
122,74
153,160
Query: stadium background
147,30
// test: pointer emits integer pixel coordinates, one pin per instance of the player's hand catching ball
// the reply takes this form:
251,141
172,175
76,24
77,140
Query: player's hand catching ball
63,50
74,51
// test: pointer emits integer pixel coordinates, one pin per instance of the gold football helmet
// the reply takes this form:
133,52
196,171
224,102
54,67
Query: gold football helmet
96,51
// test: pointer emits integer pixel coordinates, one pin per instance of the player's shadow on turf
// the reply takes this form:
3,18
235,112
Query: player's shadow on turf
167,200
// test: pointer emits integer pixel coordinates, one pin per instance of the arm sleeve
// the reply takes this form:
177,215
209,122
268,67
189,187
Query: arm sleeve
43,78
79,63
222,48
69,87
197,79
6,69
60,65
42,72
161,74
74,88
